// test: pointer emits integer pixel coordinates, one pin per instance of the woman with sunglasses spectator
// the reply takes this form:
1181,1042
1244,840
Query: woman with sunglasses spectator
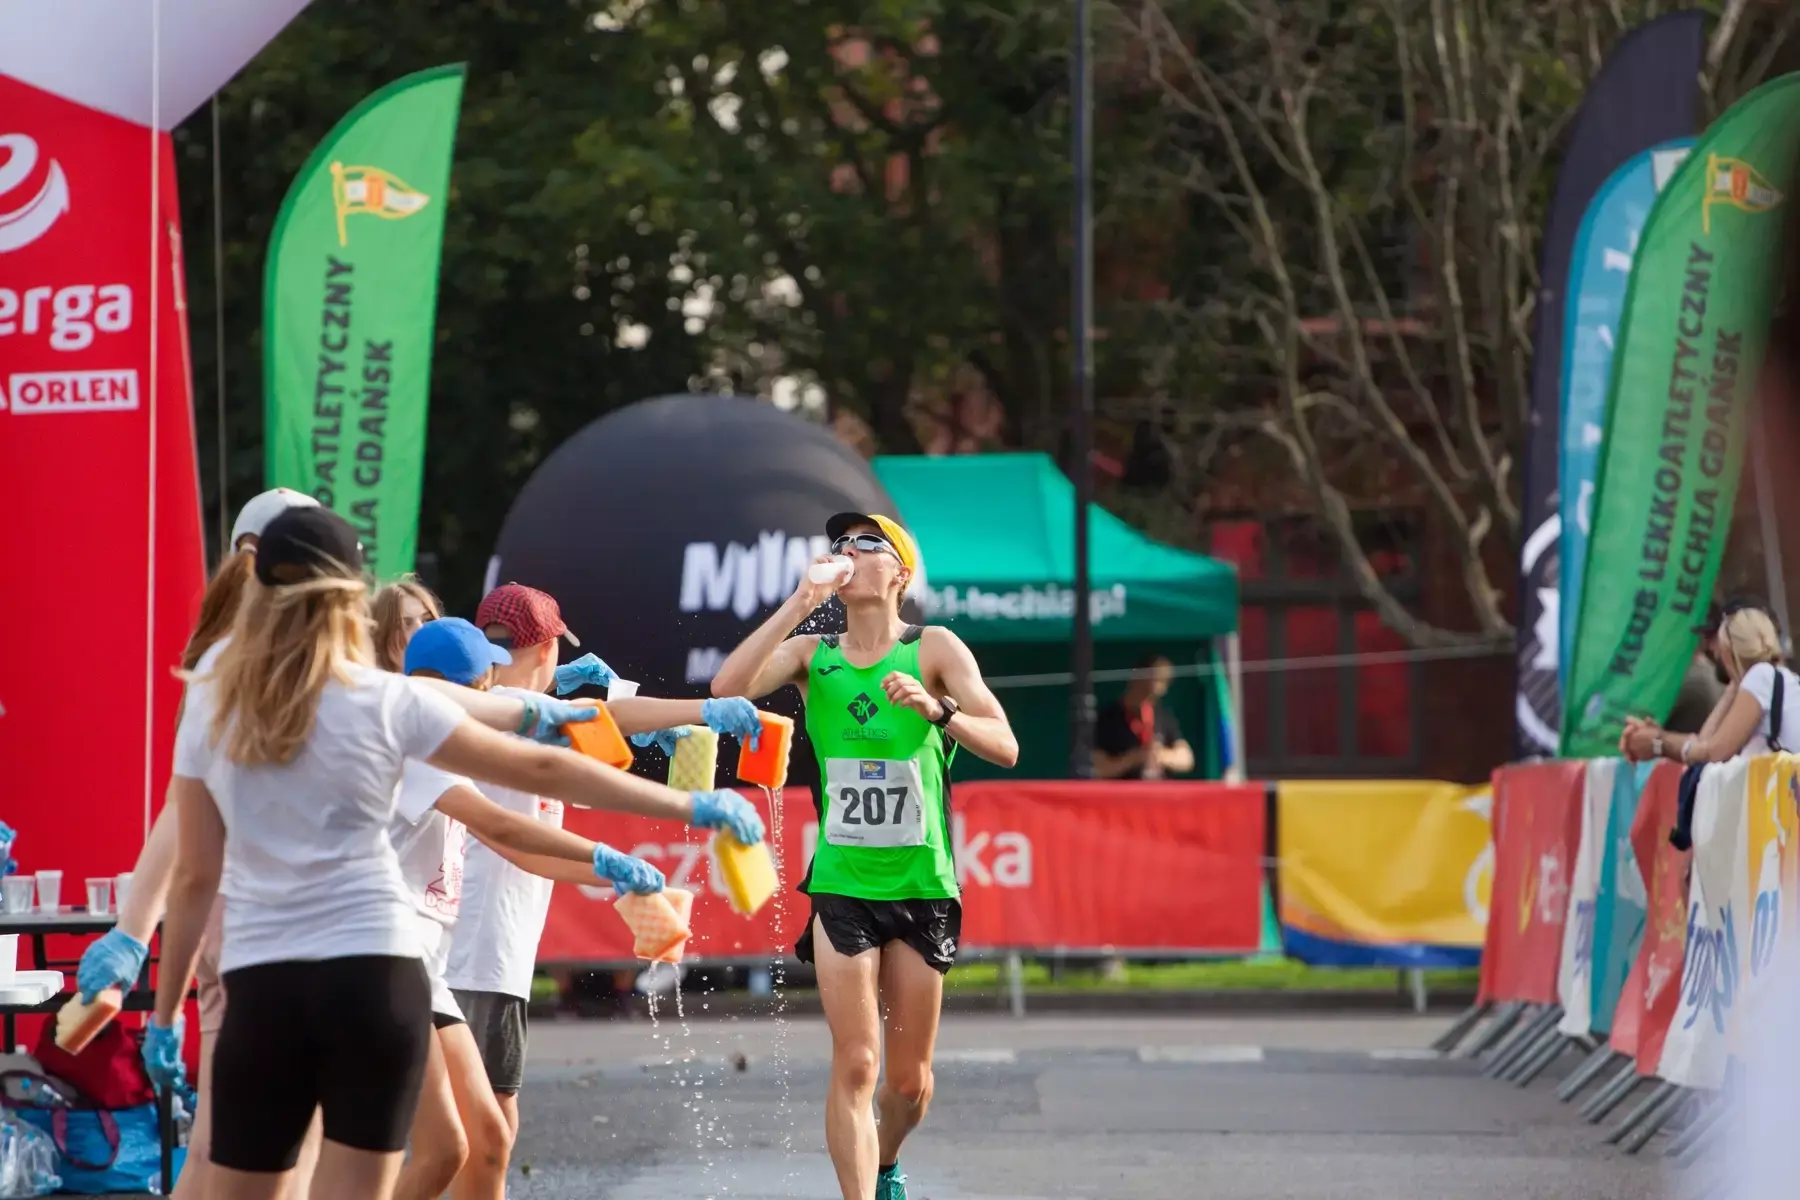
887,703
287,765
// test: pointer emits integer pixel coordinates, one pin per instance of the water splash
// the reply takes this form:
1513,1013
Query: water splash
778,969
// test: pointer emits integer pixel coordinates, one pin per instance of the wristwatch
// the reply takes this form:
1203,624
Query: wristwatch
1656,746
950,707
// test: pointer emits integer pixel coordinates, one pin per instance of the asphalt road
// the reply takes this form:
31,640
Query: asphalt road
1075,1109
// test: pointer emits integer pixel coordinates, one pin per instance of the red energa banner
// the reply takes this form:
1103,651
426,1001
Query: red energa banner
1139,866
101,538
1537,828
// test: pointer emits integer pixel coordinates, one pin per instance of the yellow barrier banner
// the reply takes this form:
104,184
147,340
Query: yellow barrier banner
1772,867
1384,872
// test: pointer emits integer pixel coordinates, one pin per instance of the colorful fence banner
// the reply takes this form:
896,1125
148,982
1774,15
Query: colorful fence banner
1574,977
1771,867
97,470
1690,350
1622,902
1182,861
1598,275
1537,825
1643,95
1384,872
1718,928
350,312
1653,988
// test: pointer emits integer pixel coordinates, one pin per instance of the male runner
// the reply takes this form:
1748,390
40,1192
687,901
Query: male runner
887,704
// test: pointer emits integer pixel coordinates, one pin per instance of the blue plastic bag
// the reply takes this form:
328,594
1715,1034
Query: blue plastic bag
103,1150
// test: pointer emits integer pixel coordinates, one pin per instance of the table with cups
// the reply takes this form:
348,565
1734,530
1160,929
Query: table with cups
31,907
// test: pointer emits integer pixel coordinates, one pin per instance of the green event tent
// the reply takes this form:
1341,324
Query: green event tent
996,532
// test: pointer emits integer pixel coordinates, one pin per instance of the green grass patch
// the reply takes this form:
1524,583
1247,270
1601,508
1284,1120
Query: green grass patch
1242,974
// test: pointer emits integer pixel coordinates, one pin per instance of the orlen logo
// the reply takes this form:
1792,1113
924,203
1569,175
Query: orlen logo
24,223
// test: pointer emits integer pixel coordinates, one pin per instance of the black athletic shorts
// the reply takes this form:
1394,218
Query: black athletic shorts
347,1035
442,1021
932,927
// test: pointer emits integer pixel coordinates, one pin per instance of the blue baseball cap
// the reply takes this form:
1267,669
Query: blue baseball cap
454,649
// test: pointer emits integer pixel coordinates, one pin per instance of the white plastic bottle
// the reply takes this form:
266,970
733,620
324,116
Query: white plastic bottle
838,570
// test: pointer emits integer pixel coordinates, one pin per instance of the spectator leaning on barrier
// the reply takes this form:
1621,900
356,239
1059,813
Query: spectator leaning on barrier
1703,688
1138,738
1759,712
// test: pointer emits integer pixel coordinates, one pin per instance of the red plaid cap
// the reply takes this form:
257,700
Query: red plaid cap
529,615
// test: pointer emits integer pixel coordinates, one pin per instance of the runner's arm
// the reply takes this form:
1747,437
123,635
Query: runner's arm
505,831
769,658
198,864
484,755
980,723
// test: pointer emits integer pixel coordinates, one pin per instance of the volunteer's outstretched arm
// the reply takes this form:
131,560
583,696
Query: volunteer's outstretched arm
544,850
540,719
481,754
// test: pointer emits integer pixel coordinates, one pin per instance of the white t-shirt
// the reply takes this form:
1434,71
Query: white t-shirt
430,844
310,871
494,945
1759,681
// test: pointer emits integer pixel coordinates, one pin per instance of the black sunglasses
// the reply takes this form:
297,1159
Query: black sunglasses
866,543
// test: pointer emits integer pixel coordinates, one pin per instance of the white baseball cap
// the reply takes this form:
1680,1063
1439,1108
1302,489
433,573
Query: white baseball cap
255,516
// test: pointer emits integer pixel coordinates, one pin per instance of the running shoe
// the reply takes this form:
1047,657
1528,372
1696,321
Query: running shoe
890,1185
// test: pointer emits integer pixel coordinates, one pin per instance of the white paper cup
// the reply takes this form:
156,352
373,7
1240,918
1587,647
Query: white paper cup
9,955
621,689
99,894
121,889
17,891
49,891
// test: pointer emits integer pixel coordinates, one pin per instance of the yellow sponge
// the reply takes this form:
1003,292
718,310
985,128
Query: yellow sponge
695,764
748,872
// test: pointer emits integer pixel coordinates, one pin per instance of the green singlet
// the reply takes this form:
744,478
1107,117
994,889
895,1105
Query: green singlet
884,799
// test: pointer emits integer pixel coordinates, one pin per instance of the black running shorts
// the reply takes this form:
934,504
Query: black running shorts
347,1035
932,927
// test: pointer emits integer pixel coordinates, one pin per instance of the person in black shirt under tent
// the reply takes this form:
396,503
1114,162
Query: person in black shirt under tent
1138,737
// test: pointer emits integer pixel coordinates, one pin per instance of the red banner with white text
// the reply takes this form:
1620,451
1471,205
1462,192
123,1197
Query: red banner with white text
1537,828
1140,866
101,537
1653,988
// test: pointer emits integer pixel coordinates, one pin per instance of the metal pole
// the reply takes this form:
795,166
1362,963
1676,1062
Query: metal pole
1471,1017
1771,540
1081,424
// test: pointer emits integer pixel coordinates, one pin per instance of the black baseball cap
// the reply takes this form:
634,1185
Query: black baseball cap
307,543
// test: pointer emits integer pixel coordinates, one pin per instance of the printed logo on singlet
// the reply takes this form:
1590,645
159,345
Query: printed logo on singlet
863,708
831,668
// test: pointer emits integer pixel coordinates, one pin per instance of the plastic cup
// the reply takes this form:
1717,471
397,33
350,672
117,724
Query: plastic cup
621,689
17,891
121,889
49,891
100,895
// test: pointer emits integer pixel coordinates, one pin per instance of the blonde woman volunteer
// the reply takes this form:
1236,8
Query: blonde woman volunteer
886,705
1760,686
286,771
117,958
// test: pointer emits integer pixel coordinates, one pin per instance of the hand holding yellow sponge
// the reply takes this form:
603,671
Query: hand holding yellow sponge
694,766
77,1024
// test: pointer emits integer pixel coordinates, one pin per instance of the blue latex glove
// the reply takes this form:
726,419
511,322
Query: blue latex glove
544,719
628,874
724,809
114,960
162,1054
588,669
662,739
734,715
